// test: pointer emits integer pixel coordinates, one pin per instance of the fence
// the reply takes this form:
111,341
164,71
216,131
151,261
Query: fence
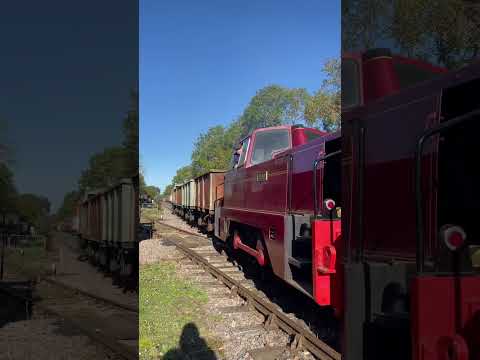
13,240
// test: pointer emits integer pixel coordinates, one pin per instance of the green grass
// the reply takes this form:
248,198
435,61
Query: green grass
150,215
167,304
34,261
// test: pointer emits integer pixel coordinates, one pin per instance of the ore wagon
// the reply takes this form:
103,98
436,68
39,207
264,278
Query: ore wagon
108,222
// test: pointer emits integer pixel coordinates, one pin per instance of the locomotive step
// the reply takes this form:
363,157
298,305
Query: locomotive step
299,262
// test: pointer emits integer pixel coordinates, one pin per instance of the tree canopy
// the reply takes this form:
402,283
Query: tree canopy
183,174
153,192
8,191
324,106
112,164
67,208
442,32
32,207
274,105
271,106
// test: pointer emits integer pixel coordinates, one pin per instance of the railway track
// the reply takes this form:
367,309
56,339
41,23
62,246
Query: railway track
301,336
101,320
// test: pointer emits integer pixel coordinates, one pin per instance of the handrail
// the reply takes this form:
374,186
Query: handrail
418,179
315,165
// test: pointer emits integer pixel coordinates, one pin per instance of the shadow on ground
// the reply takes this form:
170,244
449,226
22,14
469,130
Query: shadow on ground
192,346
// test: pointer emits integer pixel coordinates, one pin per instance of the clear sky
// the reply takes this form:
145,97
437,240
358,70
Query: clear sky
66,71
202,61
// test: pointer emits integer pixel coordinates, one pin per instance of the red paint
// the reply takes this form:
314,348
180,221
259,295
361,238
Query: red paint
382,79
263,204
327,274
435,328
258,253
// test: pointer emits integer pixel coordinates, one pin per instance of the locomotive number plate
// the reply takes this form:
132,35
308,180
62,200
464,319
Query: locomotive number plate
262,176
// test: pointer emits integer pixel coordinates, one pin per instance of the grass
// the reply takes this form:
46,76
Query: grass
150,215
34,261
167,304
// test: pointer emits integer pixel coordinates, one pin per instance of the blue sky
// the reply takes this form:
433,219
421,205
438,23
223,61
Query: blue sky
202,61
67,71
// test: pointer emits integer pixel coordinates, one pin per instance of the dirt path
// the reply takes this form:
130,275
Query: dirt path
80,274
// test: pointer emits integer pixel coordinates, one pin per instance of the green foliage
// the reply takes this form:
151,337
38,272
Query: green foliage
211,151
130,143
442,32
8,191
167,191
152,191
32,207
114,163
67,209
183,174
273,105
323,108
105,169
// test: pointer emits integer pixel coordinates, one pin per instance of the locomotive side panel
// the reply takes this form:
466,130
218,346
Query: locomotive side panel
302,177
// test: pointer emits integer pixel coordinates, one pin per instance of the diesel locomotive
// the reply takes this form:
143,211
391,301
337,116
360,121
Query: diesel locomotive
377,222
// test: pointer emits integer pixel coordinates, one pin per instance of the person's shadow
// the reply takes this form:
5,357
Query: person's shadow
192,346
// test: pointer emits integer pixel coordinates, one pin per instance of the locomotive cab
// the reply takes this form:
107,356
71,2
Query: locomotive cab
412,285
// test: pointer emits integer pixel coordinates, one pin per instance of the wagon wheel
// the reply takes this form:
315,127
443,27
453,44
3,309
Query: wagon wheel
125,267
113,265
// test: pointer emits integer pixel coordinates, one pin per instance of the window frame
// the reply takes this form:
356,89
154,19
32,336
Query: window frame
244,153
250,155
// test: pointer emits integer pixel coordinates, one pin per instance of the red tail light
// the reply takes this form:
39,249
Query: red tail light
453,236
329,204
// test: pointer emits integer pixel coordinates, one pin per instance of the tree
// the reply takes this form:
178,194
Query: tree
183,174
8,191
69,203
152,191
274,105
130,130
114,163
167,191
105,169
32,207
442,32
323,108
211,151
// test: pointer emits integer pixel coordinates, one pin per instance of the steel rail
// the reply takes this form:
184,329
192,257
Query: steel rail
88,294
113,345
303,338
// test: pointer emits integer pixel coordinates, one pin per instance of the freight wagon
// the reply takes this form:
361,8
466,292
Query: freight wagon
209,188
188,199
108,222
195,199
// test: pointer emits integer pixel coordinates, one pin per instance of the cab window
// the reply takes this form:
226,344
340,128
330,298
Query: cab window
266,142
243,153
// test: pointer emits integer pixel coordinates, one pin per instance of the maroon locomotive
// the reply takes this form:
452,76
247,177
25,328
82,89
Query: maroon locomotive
277,209
402,268
410,196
